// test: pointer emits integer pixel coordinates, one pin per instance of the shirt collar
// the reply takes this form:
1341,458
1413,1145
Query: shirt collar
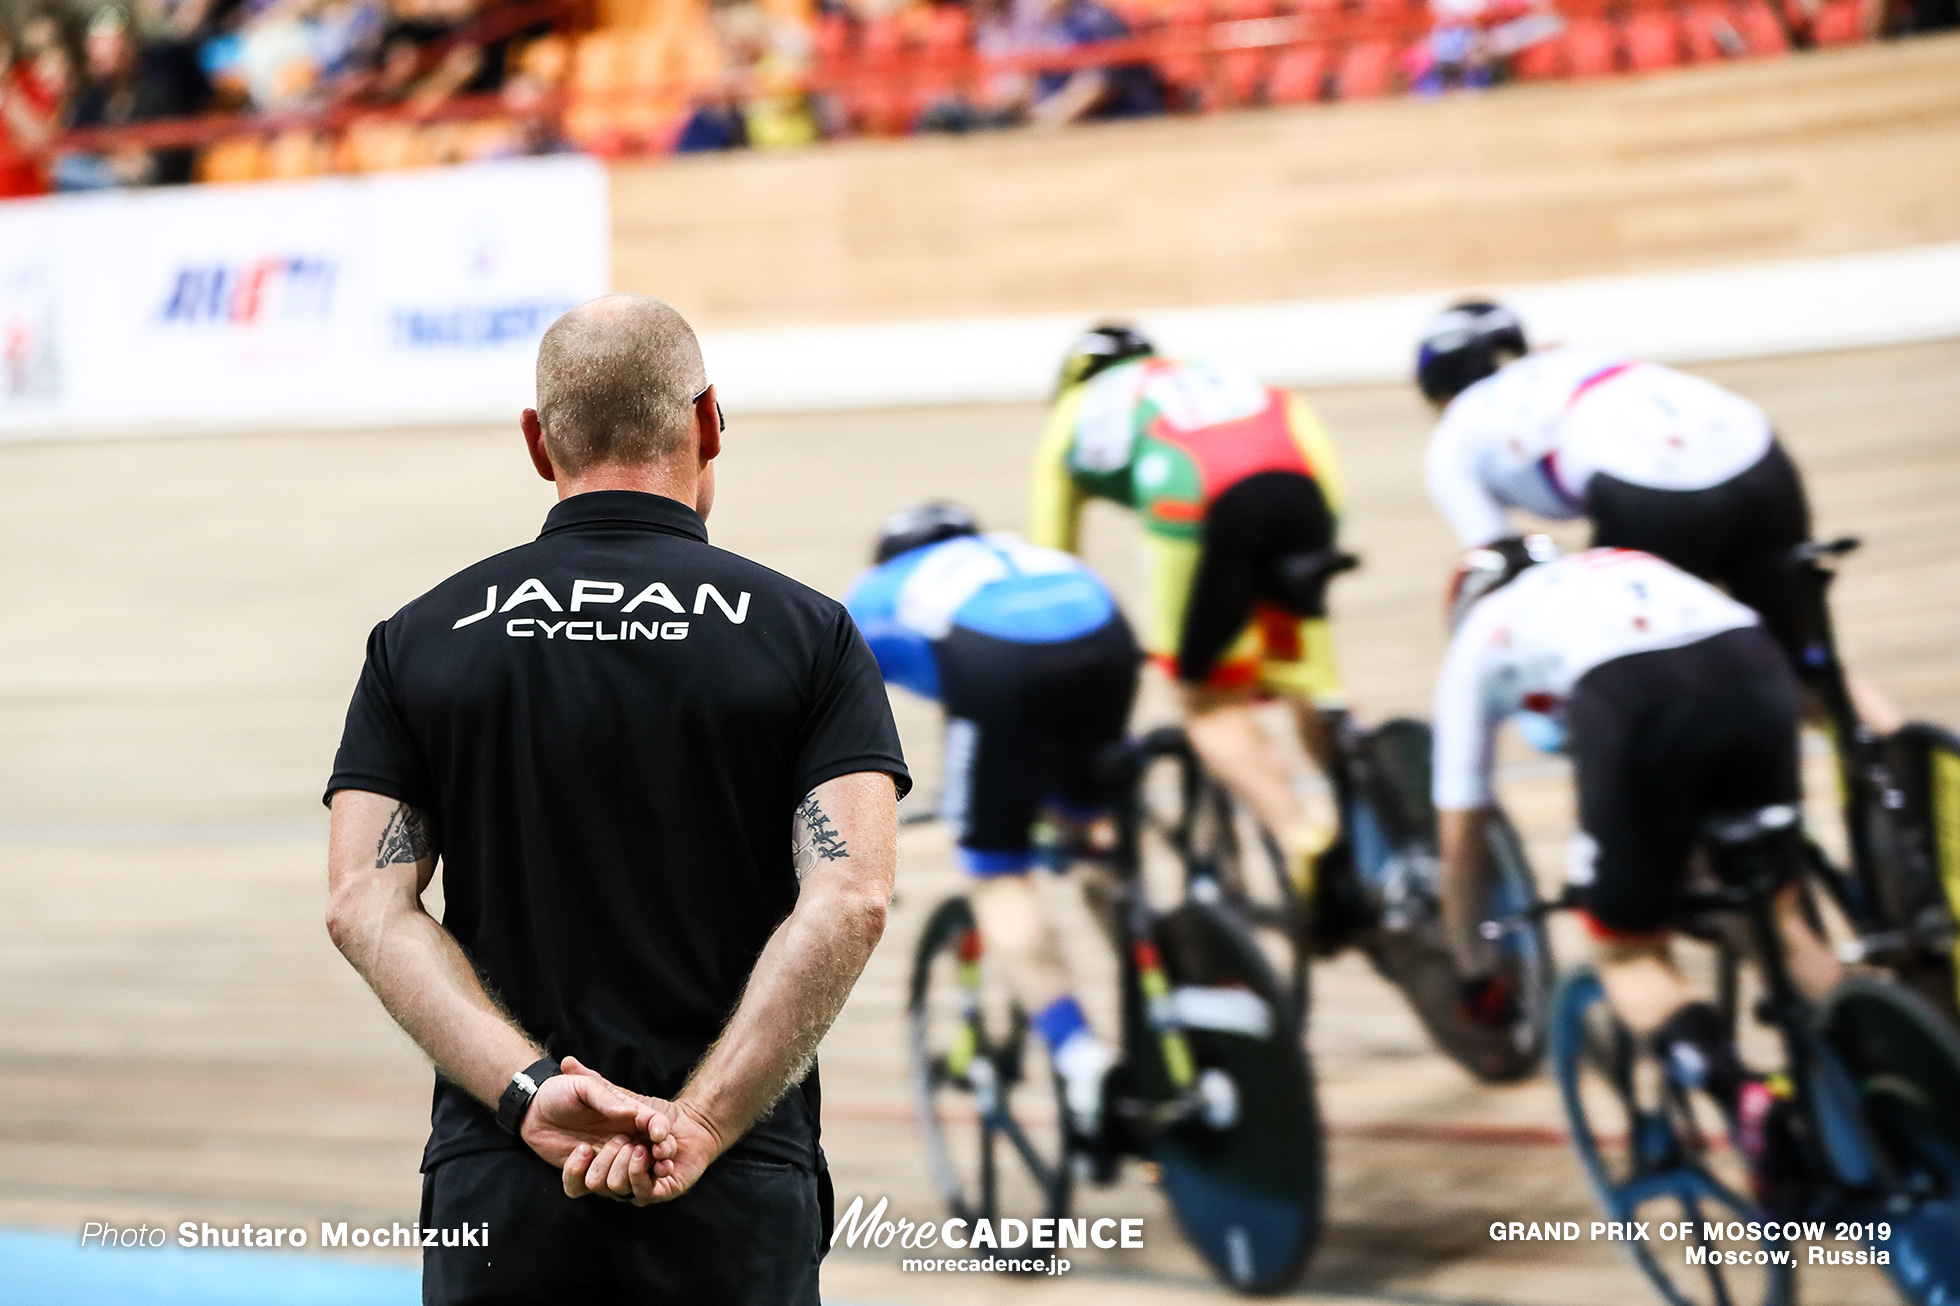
625,508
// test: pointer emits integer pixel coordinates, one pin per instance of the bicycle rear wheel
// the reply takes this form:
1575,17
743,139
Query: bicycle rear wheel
992,1129
1904,1064
1645,1157
1241,1149
1392,829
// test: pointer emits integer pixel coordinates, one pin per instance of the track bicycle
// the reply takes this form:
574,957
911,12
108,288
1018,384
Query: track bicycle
1375,887
1900,797
1213,1087
1867,1131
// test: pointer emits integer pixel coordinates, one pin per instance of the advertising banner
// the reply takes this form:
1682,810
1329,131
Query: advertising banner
407,297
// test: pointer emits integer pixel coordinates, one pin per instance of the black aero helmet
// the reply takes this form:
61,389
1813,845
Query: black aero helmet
922,524
1461,344
1100,348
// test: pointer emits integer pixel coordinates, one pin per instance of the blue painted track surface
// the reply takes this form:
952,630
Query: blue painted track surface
47,1269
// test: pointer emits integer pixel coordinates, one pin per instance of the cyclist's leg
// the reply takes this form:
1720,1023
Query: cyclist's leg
998,762
1221,639
1660,741
1084,706
1758,765
1634,758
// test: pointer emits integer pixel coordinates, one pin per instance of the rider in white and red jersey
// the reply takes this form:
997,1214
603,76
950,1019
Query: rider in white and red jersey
1657,459
1676,707
1526,647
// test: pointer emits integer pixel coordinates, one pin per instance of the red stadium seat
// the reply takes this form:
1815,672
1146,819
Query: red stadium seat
1299,75
1540,61
1386,9
948,32
1839,22
1762,31
884,39
1245,74
1592,48
1366,71
1652,40
1710,33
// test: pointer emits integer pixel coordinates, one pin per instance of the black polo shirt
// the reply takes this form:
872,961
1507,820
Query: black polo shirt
610,728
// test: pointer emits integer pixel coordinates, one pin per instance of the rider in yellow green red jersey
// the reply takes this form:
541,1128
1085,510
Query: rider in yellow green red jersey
1236,485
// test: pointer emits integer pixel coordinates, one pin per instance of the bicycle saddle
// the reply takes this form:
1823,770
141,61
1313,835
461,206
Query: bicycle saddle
1816,551
1298,581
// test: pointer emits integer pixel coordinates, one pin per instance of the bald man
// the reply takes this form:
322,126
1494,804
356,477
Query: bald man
660,781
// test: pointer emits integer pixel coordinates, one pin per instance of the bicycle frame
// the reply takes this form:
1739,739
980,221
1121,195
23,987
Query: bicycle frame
1891,854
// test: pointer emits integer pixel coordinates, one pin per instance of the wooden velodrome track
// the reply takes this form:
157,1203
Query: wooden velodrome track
184,620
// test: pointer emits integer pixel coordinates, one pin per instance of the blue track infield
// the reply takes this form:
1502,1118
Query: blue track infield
45,1269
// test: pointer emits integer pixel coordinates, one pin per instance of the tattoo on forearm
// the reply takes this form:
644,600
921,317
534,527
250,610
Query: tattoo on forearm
814,838
406,839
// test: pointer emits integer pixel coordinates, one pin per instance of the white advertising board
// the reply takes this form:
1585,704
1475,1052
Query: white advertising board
405,297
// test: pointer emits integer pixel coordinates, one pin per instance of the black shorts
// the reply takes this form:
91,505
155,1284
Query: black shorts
1248,529
1661,741
1738,534
1027,724
750,1231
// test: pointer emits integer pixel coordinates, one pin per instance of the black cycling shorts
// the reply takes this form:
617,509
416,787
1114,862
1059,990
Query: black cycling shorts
1661,741
1027,725
750,1231
1738,534
1248,529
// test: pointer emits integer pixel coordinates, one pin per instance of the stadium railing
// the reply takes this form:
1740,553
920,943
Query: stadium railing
620,90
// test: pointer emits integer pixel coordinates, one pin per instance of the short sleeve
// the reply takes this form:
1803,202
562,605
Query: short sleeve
850,726
377,752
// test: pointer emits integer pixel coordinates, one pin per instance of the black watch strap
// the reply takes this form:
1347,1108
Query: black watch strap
518,1093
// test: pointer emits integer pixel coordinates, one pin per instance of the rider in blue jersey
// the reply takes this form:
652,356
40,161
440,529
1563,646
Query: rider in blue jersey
1036,669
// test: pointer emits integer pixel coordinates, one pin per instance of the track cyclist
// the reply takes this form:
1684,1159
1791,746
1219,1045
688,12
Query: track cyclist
1231,480
1658,461
1037,670
1676,705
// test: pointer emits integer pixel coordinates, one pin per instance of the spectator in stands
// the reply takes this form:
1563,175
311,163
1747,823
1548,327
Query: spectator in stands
1056,97
432,51
27,122
38,86
120,89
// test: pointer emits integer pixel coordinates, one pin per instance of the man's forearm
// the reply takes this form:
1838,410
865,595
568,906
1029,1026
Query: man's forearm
798,986
380,859
426,983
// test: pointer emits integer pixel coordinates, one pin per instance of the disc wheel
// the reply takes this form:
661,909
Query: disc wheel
1903,1065
1244,1175
1392,833
1646,1158
983,1095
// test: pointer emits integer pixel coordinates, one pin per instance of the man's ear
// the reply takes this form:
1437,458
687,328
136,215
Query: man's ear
708,423
534,444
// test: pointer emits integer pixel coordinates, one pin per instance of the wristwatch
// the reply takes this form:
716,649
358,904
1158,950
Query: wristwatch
518,1093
